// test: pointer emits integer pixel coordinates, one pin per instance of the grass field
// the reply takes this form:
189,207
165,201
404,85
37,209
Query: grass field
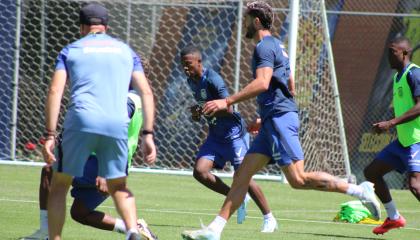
171,204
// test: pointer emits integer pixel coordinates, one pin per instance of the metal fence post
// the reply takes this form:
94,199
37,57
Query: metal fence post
238,47
15,82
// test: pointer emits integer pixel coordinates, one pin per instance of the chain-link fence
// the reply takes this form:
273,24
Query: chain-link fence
158,30
362,31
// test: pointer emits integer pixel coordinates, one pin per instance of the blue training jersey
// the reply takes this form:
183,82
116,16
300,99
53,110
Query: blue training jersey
99,68
211,87
413,79
270,52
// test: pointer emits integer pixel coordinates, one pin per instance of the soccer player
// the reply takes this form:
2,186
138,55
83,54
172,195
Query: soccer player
89,191
403,154
277,139
227,139
100,69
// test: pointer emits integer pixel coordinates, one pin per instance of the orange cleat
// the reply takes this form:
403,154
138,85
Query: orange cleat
389,224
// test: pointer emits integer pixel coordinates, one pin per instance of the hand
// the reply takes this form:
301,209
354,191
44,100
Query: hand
101,185
48,149
254,126
381,127
149,149
196,112
211,107
292,92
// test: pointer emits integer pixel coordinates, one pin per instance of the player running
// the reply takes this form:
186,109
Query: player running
227,139
278,138
402,154
90,190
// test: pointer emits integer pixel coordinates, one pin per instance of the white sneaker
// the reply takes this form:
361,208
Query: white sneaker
145,231
134,236
202,234
369,200
269,225
37,235
241,213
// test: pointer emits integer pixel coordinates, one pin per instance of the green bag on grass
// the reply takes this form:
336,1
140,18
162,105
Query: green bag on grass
354,212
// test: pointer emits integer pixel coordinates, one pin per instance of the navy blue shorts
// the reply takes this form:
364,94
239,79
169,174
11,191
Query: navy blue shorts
278,138
403,159
84,188
220,153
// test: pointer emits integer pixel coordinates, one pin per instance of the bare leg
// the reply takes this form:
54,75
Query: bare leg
60,185
321,181
80,213
202,174
251,164
124,201
44,187
258,197
414,184
374,173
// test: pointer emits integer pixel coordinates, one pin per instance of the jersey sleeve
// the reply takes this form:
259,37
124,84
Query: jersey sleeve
413,79
264,55
137,65
60,62
131,107
219,86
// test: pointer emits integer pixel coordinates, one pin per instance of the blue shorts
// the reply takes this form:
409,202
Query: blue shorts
278,138
84,188
76,147
90,197
220,153
402,158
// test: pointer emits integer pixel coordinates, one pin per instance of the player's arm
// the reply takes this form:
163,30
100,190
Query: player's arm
264,72
218,85
52,110
140,83
414,112
291,84
411,114
260,84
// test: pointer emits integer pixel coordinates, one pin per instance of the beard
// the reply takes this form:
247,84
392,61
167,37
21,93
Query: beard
250,31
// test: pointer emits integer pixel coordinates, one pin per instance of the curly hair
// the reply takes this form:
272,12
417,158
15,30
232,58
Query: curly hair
262,11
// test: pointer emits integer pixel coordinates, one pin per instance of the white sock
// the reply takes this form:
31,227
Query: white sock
218,224
43,220
268,215
355,190
391,210
119,226
247,197
130,231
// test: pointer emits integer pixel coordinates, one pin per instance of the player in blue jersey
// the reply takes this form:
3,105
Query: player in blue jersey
403,154
100,69
89,191
227,138
277,139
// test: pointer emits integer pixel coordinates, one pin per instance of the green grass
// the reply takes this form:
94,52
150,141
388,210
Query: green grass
171,204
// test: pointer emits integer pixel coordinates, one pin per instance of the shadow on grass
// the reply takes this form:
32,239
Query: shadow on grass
187,227
335,236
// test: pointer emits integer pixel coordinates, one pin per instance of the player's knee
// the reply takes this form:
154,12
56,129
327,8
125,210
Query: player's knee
78,216
297,183
200,174
46,172
369,172
414,186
